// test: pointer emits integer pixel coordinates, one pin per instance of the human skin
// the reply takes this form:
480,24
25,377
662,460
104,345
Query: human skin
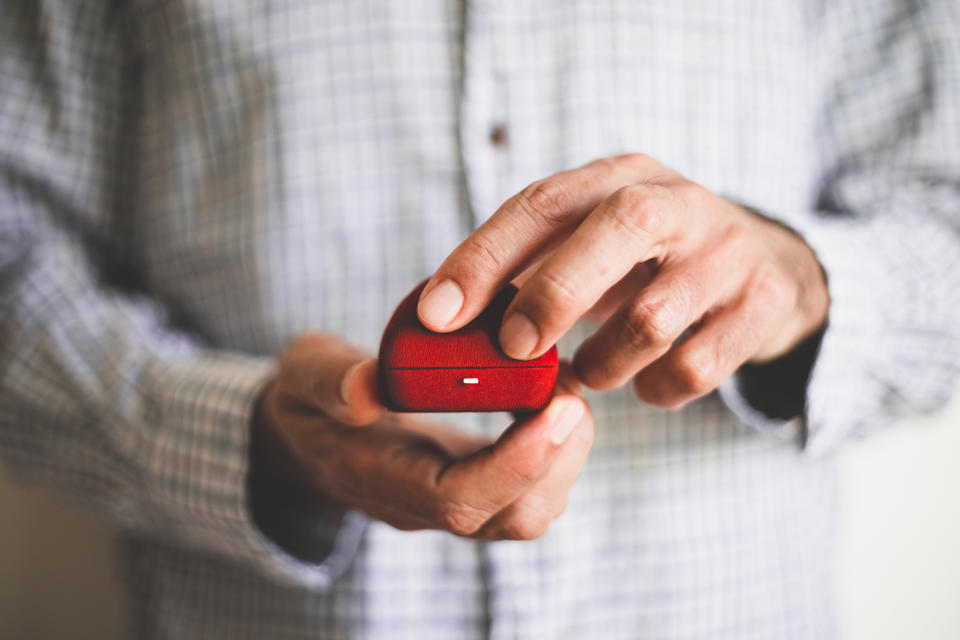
624,240
688,286
323,442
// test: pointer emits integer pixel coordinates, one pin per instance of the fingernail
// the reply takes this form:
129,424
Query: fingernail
568,418
346,380
518,336
442,304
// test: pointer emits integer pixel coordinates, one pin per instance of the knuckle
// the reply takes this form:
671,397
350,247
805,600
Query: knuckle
649,325
694,372
460,519
637,208
736,239
636,160
484,256
543,199
527,471
631,197
607,163
693,194
557,291
771,290
728,348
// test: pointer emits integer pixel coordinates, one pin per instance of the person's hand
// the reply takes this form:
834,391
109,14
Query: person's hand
322,439
690,285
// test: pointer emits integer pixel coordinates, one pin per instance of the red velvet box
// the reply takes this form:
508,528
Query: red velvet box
463,370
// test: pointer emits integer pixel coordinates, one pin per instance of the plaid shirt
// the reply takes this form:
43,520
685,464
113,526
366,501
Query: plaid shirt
186,184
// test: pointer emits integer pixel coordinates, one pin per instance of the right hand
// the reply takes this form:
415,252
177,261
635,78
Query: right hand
322,438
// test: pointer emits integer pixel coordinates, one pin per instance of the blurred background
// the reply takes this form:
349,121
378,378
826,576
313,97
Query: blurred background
899,555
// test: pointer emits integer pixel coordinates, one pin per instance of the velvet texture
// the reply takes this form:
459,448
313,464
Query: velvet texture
423,371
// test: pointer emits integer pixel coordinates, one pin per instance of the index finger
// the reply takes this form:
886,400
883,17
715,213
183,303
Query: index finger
525,226
636,224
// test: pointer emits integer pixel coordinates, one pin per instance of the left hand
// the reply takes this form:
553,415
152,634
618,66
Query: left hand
322,442
657,257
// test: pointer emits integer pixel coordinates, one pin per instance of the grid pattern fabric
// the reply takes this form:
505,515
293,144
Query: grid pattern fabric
187,184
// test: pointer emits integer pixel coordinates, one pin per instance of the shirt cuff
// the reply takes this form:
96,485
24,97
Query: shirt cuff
771,396
198,466
836,394
841,390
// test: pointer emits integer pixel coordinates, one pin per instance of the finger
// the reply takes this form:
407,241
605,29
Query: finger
387,470
635,224
530,515
409,480
456,442
523,227
383,469
474,489
724,341
396,518
325,374
639,277
644,328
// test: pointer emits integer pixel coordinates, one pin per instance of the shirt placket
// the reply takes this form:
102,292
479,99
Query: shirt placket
484,129
494,136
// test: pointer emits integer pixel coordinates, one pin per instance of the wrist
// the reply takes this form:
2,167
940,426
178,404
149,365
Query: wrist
283,504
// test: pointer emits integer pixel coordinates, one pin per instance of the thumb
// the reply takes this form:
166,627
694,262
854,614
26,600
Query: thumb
358,402
335,378
498,474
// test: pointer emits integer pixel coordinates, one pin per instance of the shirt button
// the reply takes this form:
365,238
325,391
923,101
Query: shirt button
498,136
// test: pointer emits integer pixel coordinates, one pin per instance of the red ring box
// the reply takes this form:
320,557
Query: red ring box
463,370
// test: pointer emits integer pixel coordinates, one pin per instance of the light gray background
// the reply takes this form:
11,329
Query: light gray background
57,576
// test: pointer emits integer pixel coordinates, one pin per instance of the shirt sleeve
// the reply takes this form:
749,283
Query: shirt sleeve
100,392
886,227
